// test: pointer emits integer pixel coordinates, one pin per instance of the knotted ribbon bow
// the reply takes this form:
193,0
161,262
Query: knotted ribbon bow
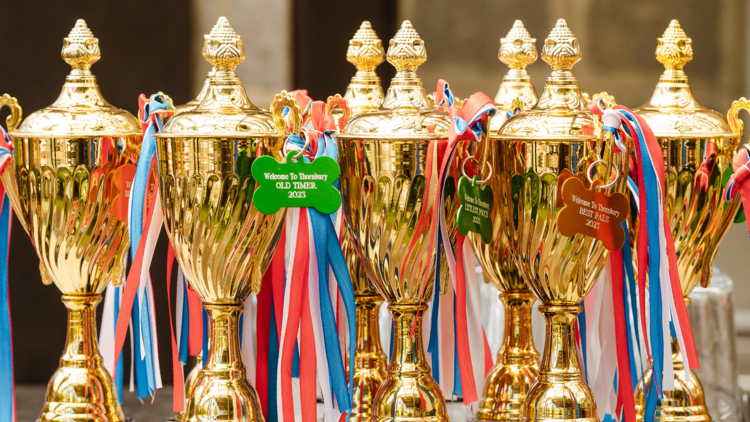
739,181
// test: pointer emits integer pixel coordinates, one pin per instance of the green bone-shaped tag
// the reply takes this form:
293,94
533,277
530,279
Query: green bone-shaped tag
296,184
476,205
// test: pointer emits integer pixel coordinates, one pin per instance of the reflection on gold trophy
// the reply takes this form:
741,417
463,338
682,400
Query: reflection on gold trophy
517,360
698,146
67,186
532,155
389,209
223,244
364,94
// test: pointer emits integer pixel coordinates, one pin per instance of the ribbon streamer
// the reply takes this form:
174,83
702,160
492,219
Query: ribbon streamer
458,331
7,384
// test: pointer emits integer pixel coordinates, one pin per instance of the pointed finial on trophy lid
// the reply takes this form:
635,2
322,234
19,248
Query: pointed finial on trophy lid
406,50
405,112
365,49
80,48
223,47
674,48
518,49
561,48
80,110
366,52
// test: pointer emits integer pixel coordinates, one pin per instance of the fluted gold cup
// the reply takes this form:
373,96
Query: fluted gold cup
223,244
517,364
531,155
389,206
698,146
364,94
66,185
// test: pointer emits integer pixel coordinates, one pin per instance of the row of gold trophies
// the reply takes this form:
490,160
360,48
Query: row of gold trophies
59,187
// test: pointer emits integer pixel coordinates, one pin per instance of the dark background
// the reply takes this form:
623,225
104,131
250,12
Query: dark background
145,48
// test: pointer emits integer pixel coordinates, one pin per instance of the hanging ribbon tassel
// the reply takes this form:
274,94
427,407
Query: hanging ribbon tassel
656,262
318,282
138,294
7,384
467,123
270,306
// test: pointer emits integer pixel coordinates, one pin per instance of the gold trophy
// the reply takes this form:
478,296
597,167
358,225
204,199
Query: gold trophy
532,155
364,94
389,208
517,360
68,188
223,244
698,146
192,376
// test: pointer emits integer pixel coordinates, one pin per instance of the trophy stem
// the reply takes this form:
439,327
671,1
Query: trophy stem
409,392
81,389
222,387
517,364
369,360
560,391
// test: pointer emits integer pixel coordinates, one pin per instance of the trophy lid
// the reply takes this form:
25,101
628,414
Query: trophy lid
225,111
365,51
405,113
672,111
195,102
80,110
561,112
518,51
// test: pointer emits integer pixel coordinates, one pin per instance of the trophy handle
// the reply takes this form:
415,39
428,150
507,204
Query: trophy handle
285,100
16,112
735,123
338,101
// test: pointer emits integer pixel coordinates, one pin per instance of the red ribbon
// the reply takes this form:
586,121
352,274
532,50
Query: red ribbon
178,404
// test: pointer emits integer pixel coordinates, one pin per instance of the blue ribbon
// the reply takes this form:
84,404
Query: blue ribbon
7,395
185,332
652,220
138,193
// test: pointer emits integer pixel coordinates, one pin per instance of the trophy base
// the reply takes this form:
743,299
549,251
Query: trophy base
686,403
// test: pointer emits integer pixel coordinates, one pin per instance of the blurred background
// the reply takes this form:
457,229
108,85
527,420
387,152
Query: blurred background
150,46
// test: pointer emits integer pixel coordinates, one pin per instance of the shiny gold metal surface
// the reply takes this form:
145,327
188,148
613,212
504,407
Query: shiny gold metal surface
698,146
687,402
63,184
388,206
364,94
517,364
518,51
223,244
531,152
195,102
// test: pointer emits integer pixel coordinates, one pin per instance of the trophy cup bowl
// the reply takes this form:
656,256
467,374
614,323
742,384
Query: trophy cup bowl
532,155
364,94
517,364
389,206
222,242
66,183
698,146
